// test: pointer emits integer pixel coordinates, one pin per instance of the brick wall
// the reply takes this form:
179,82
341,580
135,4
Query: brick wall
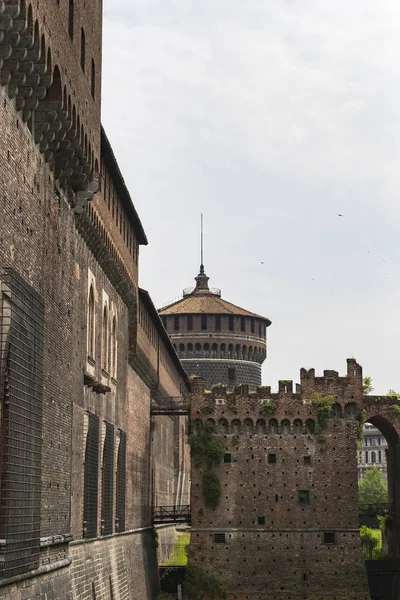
274,538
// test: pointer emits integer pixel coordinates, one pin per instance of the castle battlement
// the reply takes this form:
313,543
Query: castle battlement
292,410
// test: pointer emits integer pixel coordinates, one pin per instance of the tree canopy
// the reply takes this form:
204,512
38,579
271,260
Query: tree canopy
373,487
367,386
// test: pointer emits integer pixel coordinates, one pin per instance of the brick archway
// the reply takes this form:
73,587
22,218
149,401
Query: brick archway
379,412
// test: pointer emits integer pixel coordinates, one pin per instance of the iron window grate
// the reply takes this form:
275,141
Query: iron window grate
108,481
121,482
91,475
21,397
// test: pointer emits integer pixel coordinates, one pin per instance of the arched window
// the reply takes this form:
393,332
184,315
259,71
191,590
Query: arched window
273,426
285,427
297,427
373,457
83,49
310,426
114,347
104,339
93,79
91,323
223,426
248,426
71,19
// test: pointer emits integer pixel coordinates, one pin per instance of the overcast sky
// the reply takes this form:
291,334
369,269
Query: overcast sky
271,118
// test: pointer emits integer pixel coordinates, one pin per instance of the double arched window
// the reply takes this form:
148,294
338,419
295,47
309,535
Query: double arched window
113,361
104,339
91,323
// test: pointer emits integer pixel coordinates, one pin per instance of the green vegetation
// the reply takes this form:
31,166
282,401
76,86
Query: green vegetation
207,451
373,488
211,487
324,406
198,582
268,409
219,388
360,427
180,555
154,538
367,386
263,390
207,409
372,543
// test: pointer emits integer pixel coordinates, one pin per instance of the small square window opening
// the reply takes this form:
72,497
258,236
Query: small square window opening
303,497
329,537
271,459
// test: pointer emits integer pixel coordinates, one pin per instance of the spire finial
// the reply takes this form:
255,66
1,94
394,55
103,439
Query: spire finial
201,245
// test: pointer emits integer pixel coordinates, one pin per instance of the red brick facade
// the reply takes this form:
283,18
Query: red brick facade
288,514
64,240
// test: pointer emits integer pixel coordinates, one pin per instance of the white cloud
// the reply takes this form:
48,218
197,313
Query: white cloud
271,118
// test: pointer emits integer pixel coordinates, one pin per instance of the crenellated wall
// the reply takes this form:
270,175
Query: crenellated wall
287,520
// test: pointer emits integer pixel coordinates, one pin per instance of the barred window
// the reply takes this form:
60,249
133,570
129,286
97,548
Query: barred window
107,492
91,476
21,398
121,483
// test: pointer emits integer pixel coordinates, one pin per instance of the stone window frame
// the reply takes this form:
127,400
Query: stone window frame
91,319
105,334
113,359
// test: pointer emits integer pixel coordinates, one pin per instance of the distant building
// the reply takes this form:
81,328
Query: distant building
216,340
373,451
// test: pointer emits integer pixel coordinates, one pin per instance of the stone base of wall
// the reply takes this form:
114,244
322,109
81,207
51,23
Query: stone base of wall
166,541
215,370
292,565
120,567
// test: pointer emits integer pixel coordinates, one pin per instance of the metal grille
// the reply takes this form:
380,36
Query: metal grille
91,478
121,482
21,397
108,481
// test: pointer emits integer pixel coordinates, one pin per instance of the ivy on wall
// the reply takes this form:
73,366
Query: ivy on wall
207,451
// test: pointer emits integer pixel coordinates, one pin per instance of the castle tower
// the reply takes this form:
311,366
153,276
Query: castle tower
216,340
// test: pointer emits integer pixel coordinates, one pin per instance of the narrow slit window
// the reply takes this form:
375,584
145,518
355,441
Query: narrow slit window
83,49
71,19
93,79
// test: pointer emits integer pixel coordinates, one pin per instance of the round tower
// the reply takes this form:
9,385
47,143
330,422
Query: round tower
215,339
